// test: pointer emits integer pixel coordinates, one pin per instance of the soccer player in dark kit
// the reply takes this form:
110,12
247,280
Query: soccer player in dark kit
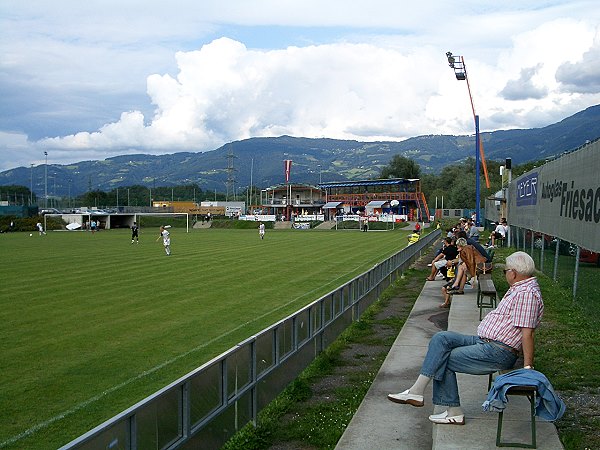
134,233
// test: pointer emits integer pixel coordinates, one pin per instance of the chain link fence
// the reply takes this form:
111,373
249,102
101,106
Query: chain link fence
574,268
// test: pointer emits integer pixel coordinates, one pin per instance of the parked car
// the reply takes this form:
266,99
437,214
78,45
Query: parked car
566,248
50,211
587,256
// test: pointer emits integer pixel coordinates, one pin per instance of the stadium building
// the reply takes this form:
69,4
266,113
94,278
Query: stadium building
402,196
291,200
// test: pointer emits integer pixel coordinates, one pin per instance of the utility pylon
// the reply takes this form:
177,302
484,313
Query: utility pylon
231,174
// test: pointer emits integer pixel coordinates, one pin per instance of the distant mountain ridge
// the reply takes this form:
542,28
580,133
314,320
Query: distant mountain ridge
314,160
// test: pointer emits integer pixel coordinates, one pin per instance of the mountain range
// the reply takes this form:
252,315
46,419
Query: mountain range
260,160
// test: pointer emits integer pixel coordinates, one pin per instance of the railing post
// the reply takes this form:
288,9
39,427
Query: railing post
186,424
542,253
556,253
576,274
532,241
253,391
133,432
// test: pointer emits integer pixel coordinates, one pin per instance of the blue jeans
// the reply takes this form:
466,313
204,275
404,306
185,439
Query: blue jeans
451,352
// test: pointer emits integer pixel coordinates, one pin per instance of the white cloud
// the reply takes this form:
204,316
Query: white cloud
225,92
582,76
104,78
524,88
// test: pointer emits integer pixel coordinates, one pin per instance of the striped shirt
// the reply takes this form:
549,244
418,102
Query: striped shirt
521,307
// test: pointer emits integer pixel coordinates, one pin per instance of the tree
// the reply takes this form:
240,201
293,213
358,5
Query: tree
456,183
16,194
401,167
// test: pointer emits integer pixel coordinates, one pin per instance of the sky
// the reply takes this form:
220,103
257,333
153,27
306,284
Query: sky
88,80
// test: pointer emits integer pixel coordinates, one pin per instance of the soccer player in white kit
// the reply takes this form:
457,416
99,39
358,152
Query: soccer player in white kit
164,234
261,230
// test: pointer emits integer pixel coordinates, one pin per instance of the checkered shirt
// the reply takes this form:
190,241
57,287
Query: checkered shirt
521,307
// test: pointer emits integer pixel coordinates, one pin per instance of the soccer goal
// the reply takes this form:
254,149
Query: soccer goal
175,220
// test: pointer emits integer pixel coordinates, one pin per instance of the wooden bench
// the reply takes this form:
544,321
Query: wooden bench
525,391
486,293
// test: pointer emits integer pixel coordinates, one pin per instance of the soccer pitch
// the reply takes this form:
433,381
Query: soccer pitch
91,324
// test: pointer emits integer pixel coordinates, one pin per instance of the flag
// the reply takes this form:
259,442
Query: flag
288,168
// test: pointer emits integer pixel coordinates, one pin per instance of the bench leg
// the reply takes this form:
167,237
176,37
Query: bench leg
499,443
482,304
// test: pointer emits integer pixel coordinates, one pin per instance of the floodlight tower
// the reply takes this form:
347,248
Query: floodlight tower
46,182
457,63
31,186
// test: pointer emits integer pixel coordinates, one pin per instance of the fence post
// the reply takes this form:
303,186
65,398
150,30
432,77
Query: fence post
542,252
556,253
532,240
576,274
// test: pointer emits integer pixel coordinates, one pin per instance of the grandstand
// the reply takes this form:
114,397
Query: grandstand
362,195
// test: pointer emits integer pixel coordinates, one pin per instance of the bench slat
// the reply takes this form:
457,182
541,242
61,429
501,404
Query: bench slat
485,290
487,286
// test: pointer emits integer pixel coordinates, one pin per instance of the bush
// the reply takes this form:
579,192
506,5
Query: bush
348,225
387,225
29,223
353,225
231,224
157,221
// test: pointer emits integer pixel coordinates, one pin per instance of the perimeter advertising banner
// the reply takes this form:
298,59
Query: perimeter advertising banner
561,198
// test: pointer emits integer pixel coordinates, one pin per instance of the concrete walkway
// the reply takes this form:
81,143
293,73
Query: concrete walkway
383,425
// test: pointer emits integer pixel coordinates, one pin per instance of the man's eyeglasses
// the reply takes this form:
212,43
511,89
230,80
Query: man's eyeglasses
507,270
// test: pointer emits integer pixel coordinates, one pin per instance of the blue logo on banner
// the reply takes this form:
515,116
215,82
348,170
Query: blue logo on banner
527,190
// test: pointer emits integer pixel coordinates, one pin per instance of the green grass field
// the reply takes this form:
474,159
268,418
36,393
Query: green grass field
92,324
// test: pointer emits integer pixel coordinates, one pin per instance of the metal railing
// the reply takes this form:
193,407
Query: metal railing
204,408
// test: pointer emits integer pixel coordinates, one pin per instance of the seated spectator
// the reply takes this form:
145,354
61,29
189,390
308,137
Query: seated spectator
472,231
449,252
413,237
477,245
500,336
469,258
499,233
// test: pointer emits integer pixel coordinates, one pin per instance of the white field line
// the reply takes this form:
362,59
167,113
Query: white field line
91,400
